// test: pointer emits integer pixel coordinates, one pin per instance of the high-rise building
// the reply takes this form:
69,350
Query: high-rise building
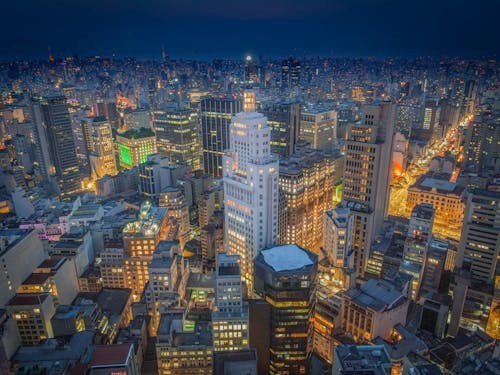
230,315
140,239
215,119
250,188
319,127
431,119
337,239
284,121
55,145
134,146
417,244
482,144
479,247
98,138
290,73
285,277
306,179
177,136
367,175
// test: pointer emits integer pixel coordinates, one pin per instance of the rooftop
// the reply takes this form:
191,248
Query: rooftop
288,258
378,295
107,355
137,133
37,278
28,299
363,359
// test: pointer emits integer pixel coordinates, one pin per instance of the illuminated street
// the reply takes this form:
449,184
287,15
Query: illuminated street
399,189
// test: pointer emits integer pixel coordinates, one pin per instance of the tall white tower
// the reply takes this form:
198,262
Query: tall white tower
250,188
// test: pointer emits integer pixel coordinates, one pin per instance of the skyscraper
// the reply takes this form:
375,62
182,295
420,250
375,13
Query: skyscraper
290,73
99,143
306,181
285,276
367,174
479,247
250,188
215,119
177,136
284,121
55,146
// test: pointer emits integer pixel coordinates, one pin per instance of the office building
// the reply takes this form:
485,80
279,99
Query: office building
319,127
285,277
140,239
250,188
479,247
365,186
305,180
134,146
55,146
215,119
98,138
417,245
230,314
284,120
177,137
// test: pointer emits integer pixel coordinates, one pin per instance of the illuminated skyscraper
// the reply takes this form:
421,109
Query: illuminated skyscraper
285,276
134,147
177,137
306,179
54,144
250,188
367,174
99,143
215,119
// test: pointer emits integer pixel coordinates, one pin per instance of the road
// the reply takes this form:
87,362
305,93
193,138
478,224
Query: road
399,189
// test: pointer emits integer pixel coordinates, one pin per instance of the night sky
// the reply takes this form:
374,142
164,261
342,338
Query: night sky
205,29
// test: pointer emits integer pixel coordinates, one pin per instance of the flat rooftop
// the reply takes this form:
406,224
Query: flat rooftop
107,355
